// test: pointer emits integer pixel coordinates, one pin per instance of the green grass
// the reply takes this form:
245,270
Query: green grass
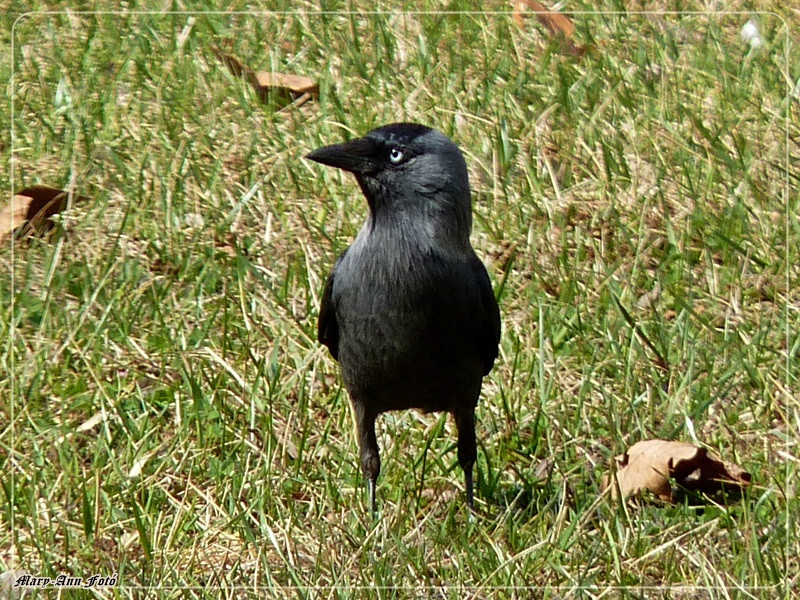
170,417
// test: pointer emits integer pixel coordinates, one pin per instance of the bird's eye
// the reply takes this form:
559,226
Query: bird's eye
396,156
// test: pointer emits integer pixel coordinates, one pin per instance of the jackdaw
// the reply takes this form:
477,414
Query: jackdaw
408,310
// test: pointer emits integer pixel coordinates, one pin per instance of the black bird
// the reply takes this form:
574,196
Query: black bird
408,310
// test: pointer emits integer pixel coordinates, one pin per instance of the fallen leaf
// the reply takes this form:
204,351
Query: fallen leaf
234,65
559,25
296,85
653,465
13,215
554,21
283,87
32,207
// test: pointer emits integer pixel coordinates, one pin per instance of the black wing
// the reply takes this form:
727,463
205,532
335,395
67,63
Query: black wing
489,330
327,327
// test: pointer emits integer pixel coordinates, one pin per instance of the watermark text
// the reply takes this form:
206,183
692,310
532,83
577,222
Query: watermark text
26,580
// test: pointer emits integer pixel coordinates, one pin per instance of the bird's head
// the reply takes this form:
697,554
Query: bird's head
407,171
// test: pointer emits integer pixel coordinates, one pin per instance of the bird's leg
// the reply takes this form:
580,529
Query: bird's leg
368,449
467,448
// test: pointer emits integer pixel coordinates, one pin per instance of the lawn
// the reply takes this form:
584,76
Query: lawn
168,415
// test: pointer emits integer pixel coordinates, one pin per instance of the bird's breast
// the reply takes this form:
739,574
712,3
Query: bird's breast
405,322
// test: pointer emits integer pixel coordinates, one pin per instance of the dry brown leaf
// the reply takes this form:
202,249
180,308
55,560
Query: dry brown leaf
653,464
281,86
557,24
554,21
298,88
32,206
234,64
13,215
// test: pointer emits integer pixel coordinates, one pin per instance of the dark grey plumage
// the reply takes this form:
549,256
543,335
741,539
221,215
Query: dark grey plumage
408,310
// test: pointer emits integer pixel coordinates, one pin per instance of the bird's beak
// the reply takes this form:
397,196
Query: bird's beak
356,156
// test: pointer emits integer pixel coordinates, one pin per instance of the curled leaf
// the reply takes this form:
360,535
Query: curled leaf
559,25
32,207
653,465
283,87
296,87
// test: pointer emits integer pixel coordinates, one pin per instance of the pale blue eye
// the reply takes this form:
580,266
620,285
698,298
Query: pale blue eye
395,155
